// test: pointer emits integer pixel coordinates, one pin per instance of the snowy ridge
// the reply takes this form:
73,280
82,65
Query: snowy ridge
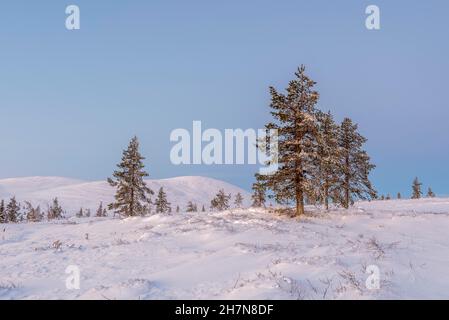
74,193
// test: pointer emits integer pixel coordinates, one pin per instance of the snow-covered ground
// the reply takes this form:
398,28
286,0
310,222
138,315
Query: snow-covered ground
237,254
74,194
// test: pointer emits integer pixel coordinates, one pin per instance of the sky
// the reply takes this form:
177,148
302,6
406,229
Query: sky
71,100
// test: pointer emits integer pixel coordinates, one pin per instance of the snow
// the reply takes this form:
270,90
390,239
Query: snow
74,194
235,254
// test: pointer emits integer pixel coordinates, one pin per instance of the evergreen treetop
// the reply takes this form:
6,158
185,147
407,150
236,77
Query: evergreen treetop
162,205
355,165
220,201
13,210
416,189
238,201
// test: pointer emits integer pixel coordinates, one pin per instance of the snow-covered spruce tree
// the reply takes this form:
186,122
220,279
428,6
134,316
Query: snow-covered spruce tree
191,207
3,215
221,201
355,165
101,212
13,210
203,209
132,194
55,211
259,192
87,213
430,193
177,209
388,197
32,214
416,189
238,201
329,164
295,120
162,205
399,196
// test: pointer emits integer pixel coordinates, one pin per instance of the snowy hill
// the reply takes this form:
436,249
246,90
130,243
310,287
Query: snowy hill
74,194
237,254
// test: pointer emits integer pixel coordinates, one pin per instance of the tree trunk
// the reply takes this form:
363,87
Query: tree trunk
299,203
346,204
346,201
326,196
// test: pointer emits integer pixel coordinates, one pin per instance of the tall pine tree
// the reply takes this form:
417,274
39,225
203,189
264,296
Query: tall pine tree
355,165
430,193
329,165
295,120
132,194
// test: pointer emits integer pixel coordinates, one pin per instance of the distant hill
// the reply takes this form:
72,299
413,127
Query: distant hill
74,193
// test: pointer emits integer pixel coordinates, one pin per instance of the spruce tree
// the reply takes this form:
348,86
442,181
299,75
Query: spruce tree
329,165
87,213
177,209
238,201
13,210
203,209
430,193
79,214
191,207
3,215
101,212
221,201
355,165
55,211
162,205
399,195
295,120
32,214
416,189
388,197
259,192
132,194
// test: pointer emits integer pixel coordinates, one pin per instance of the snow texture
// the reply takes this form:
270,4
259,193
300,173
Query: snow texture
234,254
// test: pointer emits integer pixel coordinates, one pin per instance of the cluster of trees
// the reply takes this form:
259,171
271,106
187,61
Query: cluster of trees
13,212
86,213
221,201
416,192
319,161
133,196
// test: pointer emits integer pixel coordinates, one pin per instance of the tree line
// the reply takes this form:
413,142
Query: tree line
416,192
319,162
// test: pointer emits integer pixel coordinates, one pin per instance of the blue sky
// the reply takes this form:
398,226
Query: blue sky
71,100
